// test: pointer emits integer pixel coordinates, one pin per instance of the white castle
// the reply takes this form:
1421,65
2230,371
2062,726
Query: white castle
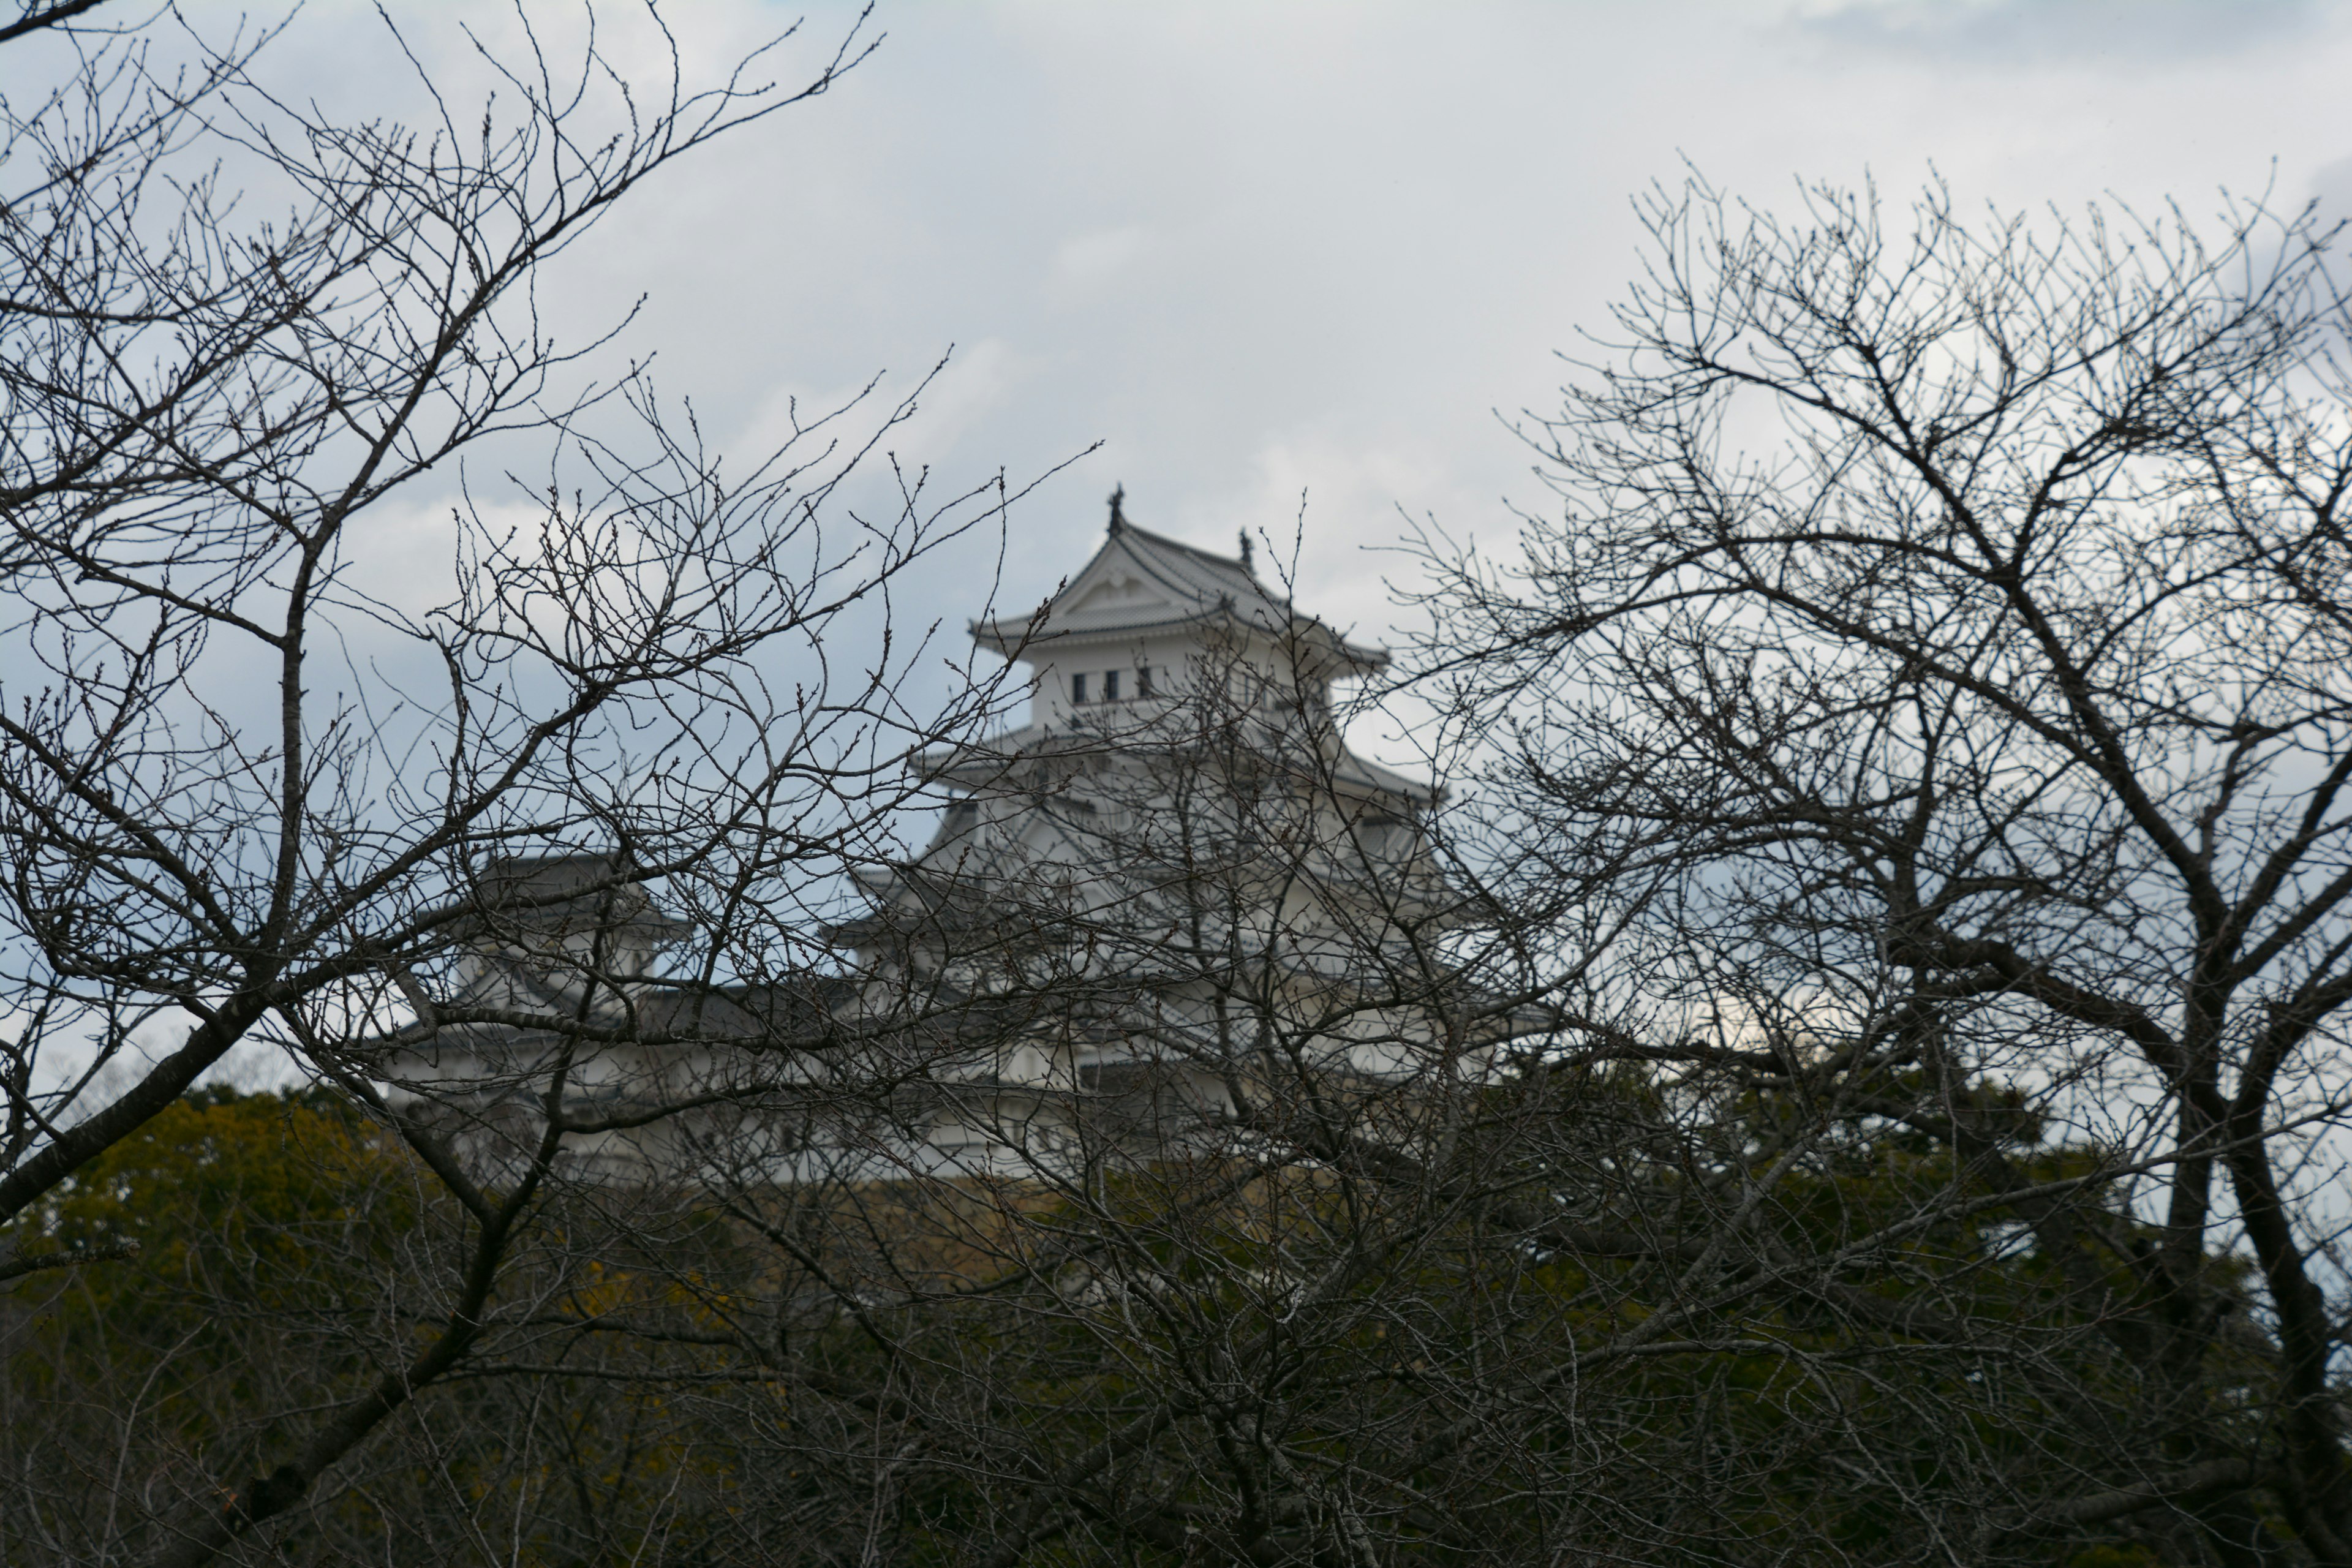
1150,917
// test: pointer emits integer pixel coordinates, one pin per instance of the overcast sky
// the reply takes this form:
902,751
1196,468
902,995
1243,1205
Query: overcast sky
1267,249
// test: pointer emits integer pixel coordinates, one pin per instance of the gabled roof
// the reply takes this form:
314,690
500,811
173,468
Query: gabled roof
1140,582
553,896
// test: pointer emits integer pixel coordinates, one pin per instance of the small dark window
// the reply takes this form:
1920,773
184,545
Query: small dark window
1143,680
1110,686
1078,689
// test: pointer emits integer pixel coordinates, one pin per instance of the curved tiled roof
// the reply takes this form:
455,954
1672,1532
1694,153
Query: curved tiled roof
993,754
1178,585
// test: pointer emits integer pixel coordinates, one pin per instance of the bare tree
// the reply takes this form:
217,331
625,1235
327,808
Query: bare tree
1852,1081
1940,659
1162,1242
250,795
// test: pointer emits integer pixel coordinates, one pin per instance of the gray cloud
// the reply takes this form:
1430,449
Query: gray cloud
2094,33
2331,191
1261,249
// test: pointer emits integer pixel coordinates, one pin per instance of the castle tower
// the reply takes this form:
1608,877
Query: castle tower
1172,881
1151,919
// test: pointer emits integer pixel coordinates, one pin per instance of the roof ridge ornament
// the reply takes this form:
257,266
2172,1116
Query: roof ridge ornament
1245,549
1117,517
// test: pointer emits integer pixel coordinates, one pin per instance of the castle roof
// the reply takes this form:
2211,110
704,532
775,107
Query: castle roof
976,764
572,893
1141,583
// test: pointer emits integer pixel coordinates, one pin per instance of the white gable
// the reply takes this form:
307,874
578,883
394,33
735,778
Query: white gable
1119,591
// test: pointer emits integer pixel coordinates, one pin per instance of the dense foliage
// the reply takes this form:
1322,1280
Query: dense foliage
914,1371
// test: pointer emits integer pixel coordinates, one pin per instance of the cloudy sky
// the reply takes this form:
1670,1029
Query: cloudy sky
1267,250
1272,251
